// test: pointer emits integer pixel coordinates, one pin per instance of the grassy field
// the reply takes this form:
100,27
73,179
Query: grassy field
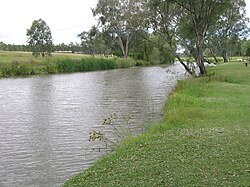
25,57
23,63
203,139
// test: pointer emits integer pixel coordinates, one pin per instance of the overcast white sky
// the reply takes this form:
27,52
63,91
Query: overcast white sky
66,18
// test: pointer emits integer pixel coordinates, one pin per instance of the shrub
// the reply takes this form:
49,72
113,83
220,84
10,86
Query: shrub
125,62
51,68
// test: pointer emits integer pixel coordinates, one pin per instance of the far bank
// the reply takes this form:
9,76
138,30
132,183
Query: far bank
23,63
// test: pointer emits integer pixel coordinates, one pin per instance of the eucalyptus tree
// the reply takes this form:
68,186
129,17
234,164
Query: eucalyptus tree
245,47
187,22
231,25
121,19
40,38
88,40
94,42
164,17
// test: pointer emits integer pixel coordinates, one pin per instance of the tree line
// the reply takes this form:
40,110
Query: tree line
192,25
62,47
158,30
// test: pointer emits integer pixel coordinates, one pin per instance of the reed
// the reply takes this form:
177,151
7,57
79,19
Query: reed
21,63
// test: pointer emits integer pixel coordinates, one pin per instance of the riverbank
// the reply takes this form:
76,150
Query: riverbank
23,63
202,140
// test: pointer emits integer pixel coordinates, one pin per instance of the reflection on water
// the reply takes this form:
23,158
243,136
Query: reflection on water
45,120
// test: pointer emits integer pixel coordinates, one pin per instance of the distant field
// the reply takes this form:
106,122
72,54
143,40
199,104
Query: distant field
11,56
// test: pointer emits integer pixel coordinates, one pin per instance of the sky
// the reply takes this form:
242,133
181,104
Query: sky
66,18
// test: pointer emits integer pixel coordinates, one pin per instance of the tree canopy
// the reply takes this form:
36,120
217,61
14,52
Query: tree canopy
232,25
121,19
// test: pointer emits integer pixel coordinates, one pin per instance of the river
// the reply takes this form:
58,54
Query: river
45,121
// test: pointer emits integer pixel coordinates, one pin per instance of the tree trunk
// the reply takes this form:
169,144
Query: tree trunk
122,47
125,47
199,45
214,56
129,37
189,70
200,58
225,57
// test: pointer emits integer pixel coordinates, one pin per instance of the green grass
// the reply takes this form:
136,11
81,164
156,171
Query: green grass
203,139
23,63
24,57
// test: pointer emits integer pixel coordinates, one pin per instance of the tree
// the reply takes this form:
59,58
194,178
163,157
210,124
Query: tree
188,22
40,38
121,19
150,47
93,42
164,17
232,25
246,47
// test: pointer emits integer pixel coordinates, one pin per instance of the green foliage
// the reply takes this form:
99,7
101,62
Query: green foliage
224,37
246,47
40,38
16,68
93,42
151,48
85,64
125,62
51,68
202,140
121,20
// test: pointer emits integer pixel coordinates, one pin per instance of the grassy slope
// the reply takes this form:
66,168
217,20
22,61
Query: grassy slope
202,141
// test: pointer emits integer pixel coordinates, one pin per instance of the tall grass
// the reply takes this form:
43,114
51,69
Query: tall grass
27,65
84,64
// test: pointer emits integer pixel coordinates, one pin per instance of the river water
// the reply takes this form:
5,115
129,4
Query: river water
45,121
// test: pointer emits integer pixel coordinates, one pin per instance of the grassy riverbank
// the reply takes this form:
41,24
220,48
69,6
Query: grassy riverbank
23,63
203,139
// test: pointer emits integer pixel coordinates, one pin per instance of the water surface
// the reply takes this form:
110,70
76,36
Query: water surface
45,121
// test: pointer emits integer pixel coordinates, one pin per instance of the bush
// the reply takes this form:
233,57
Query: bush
80,65
51,68
125,62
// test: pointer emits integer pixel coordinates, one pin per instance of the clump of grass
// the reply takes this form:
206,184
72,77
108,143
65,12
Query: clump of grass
202,140
84,64
125,62
16,68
